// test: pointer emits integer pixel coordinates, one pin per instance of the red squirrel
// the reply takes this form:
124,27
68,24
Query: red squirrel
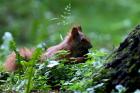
10,63
75,42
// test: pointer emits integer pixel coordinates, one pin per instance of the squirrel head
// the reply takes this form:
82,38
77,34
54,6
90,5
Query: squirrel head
79,42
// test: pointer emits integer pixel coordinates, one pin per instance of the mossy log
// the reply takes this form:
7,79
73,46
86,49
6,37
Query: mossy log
124,64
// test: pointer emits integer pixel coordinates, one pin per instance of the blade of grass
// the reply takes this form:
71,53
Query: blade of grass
31,69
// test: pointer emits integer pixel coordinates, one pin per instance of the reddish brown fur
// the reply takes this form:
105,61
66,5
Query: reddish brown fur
10,63
75,42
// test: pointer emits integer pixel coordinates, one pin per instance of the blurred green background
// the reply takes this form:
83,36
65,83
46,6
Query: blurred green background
105,22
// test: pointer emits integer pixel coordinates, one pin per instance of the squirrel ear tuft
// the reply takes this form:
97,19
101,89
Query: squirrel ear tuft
74,31
79,28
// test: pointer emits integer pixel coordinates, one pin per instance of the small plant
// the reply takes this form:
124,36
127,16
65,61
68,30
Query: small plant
64,18
31,71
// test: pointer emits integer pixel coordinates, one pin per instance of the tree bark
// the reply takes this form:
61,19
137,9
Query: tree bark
124,64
